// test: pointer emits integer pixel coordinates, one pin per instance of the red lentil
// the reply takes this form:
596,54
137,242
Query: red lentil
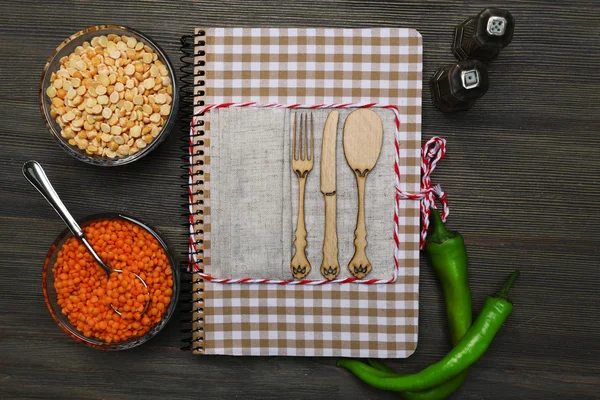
85,292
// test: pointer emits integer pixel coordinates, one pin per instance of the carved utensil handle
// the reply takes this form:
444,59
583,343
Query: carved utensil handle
360,266
330,266
300,266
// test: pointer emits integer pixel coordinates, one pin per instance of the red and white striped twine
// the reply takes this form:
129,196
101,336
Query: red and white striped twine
432,152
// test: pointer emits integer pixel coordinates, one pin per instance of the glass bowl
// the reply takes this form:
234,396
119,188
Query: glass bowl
62,320
53,64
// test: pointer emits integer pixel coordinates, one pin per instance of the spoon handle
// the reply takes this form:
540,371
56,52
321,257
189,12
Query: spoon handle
360,233
35,174
360,266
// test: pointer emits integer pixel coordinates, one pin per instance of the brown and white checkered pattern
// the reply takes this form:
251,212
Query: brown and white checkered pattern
313,66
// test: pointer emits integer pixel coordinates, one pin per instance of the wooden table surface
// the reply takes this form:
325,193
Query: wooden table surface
521,174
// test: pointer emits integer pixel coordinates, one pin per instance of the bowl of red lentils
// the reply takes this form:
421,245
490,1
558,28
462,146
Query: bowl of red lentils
108,95
113,312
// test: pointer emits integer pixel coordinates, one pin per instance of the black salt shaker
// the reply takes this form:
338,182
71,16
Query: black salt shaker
457,86
483,36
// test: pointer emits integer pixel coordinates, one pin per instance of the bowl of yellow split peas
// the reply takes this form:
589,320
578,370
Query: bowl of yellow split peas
109,95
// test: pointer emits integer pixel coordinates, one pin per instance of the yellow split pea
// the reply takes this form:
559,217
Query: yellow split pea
111,96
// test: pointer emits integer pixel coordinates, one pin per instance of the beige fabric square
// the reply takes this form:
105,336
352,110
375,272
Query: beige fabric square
308,66
250,194
254,196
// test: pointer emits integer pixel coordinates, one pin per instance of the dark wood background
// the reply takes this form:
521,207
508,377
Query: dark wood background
521,174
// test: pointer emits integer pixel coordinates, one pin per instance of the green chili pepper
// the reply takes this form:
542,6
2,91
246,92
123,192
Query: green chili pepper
448,255
470,349
438,392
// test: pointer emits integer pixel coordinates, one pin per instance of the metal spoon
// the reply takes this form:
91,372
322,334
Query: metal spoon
35,174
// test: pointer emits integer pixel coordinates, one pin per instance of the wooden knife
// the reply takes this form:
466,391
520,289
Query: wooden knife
330,267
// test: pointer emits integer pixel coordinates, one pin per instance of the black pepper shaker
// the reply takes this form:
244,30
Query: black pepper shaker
484,35
457,86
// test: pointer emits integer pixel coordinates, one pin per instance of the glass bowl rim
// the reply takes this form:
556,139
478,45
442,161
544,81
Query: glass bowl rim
73,333
164,132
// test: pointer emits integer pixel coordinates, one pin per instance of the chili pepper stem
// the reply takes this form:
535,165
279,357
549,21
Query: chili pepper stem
439,234
504,292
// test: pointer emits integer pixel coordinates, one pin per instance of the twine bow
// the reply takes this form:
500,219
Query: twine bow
431,153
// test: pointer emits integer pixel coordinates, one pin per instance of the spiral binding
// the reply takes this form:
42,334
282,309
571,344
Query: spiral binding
192,289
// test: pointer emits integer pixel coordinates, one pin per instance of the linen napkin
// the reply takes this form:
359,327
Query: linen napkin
254,196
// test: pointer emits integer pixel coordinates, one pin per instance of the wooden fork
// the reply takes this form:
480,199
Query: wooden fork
302,164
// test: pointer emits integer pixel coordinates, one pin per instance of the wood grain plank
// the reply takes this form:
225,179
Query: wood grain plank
520,174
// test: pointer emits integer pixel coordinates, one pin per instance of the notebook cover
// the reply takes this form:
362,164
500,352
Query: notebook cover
305,66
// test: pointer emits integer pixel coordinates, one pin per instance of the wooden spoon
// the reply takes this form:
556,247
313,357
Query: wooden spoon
363,135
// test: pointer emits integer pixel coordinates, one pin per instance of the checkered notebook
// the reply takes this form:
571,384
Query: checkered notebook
304,67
